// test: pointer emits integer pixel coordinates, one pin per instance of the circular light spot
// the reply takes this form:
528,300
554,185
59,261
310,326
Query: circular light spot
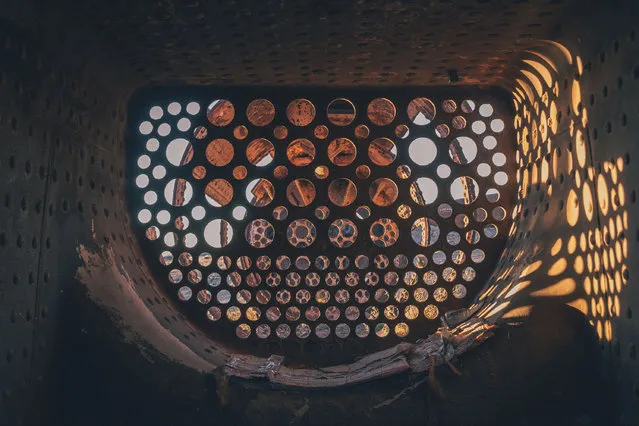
499,159
423,191
150,197
483,170
198,212
340,112
490,142
478,127
159,172
486,110
500,178
422,151
152,145
497,125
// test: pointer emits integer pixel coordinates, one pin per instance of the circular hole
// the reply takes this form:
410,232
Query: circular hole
421,111
404,211
445,211
342,192
300,112
321,132
442,131
486,110
190,241
184,124
477,256
220,112
163,217
170,239
240,172
342,152
178,192
459,122
198,212
219,152
145,127
492,195
383,192
361,131
159,172
185,293
152,145
453,238
462,150
301,233
218,233
381,111
499,159
193,108
321,172
179,152
424,232
480,214
260,192
384,232
150,197
363,212
239,213
280,132
301,152
402,131
342,233
260,152
499,213
363,172
260,112
280,213
497,125
174,108
144,162
156,112
423,191
443,171
340,112
144,216
501,178
490,142
200,132
142,181
199,172
490,230
468,106
322,212
218,192
422,151
403,171
464,190
449,106
259,233
483,169
240,132
478,127
300,192
280,172
382,151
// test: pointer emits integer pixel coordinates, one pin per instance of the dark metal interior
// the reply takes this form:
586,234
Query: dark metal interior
91,337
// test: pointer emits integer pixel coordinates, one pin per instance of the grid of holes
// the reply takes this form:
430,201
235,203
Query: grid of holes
170,134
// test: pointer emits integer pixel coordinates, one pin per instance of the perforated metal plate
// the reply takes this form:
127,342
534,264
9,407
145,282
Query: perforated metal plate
317,214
